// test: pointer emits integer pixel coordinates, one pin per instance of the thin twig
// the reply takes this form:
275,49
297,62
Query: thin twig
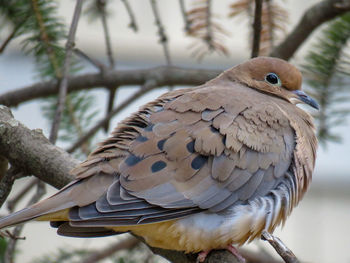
11,245
76,123
132,23
12,34
91,60
110,104
6,183
184,15
271,23
286,254
101,4
13,202
3,166
257,28
209,36
64,82
146,88
126,243
161,32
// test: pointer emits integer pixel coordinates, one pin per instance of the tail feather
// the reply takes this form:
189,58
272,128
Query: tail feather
52,204
77,193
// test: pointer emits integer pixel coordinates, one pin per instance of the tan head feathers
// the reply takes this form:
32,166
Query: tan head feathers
258,69
273,76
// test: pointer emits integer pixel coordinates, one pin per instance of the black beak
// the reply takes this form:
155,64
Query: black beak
307,99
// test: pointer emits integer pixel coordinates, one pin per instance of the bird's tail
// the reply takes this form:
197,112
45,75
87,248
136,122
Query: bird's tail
57,202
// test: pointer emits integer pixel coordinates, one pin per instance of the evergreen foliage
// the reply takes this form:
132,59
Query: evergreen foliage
327,67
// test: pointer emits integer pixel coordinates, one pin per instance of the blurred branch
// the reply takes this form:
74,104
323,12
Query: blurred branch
184,15
312,18
3,167
101,4
163,75
257,28
132,23
91,60
64,81
13,202
209,36
126,243
13,33
76,123
163,39
11,245
111,97
7,181
144,89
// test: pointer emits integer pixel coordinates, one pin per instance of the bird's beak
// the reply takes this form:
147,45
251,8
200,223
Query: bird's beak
306,99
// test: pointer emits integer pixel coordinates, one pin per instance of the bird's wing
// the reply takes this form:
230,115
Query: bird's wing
191,150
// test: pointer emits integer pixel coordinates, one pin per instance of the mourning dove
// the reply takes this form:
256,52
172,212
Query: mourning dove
198,168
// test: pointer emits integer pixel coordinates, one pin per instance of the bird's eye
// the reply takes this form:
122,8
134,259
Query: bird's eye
273,79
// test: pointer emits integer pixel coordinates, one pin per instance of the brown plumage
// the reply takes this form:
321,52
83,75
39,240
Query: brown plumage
198,168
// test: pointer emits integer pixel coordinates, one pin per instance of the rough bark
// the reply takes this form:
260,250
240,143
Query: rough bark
32,153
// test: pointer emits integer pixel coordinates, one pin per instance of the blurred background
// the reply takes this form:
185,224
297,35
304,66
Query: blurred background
318,229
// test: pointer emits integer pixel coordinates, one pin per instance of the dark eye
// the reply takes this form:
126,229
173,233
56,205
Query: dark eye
273,79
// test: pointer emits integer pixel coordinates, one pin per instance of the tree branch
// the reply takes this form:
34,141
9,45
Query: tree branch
63,84
285,253
312,18
6,183
257,28
11,246
163,75
132,23
184,15
163,39
32,153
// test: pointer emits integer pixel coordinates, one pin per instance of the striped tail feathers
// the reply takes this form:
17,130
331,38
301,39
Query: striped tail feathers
52,204
77,193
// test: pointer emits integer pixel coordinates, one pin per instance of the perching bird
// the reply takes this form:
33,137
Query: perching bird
198,168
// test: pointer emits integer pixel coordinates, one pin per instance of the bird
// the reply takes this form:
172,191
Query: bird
196,169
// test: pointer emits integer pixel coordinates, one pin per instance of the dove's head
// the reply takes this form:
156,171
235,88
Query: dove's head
273,76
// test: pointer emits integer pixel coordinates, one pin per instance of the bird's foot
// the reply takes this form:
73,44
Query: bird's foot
203,254
235,252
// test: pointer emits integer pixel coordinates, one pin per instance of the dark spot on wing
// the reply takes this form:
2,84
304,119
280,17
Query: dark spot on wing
149,127
132,160
224,139
198,162
141,139
213,129
157,166
160,144
190,146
